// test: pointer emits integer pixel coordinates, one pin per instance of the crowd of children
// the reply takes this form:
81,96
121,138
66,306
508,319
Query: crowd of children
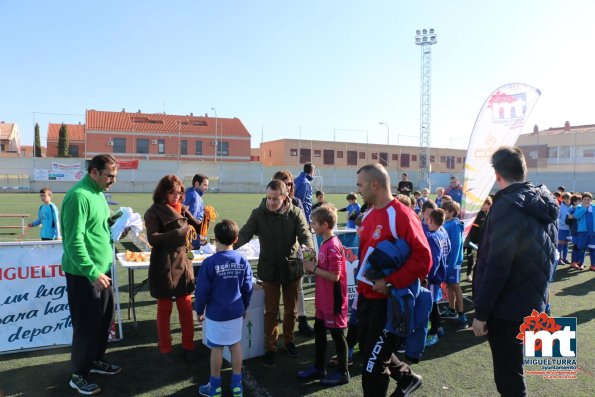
225,279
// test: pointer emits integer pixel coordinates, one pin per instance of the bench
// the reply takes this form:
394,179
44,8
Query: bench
21,226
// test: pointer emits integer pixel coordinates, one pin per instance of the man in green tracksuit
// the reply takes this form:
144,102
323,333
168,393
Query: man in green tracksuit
86,261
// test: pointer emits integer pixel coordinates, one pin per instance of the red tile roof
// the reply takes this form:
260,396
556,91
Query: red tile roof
5,129
164,123
76,132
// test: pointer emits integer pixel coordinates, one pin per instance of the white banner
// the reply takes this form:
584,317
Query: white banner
60,172
34,308
499,123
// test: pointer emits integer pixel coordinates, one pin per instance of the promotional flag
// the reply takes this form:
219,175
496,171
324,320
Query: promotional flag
499,123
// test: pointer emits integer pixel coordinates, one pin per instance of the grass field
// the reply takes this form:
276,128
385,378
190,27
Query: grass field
460,365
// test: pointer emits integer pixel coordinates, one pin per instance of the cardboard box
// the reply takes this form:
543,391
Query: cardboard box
252,341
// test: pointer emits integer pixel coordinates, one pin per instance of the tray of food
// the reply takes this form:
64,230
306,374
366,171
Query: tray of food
131,258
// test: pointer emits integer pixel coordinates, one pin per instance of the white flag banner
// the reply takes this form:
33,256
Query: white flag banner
499,123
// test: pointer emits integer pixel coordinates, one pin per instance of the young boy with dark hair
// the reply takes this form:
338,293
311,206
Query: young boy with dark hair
320,199
353,210
47,217
224,286
440,246
330,299
417,202
454,228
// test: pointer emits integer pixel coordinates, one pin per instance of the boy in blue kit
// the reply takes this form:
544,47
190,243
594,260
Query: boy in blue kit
585,236
454,228
353,210
224,286
440,246
47,217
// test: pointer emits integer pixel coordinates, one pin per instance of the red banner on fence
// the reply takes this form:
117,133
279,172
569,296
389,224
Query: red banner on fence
128,165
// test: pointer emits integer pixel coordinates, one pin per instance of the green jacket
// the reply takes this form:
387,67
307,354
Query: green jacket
280,235
85,232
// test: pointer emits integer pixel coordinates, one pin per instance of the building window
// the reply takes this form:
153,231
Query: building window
198,147
270,154
184,147
405,160
339,154
450,162
142,146
317,153
222,148
305,156
161,146
119,145
459,160
564,152
374,156
588,152
351,157
293,152
73,150
422,161
383,158
395,157
362,155
432,159
414,157
329,157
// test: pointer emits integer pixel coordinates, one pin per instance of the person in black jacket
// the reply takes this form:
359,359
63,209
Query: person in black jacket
474,237
514,263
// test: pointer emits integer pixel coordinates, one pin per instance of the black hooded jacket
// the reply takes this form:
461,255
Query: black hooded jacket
517,253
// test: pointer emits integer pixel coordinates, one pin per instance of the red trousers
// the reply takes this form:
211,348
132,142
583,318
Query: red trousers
164,308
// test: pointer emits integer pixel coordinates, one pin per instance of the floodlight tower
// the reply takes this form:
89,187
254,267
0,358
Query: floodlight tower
425,38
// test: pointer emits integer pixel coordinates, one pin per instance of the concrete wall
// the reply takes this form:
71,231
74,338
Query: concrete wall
251,177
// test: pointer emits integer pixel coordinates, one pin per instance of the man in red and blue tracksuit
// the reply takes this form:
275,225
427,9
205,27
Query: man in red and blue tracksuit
388,220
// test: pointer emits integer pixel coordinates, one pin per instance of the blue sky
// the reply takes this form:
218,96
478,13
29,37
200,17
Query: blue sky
319,68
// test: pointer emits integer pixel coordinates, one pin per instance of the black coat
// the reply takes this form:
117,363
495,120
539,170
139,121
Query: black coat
516,254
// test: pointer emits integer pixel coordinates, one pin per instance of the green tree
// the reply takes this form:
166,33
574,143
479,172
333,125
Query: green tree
37,145
63,141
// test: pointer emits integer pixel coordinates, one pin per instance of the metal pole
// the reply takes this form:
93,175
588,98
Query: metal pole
387,140
334,165
216,143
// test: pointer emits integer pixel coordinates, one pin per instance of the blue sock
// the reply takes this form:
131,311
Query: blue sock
236,380
564,251
350,352
214,382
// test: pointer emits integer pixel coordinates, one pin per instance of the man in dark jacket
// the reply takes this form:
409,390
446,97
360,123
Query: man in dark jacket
281,228
514,265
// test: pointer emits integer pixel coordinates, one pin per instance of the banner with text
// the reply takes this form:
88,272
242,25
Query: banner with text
499,123
34,308
60,172
350,240
128,165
